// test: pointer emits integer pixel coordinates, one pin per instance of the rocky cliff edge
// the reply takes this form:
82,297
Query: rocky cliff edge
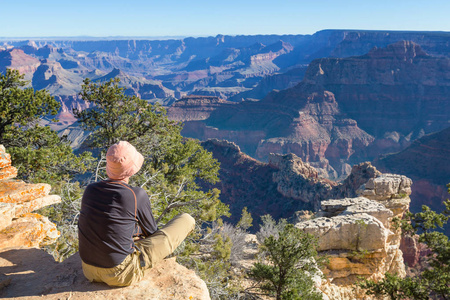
357,236
29,272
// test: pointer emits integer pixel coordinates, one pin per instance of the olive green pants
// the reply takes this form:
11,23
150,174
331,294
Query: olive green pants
153,249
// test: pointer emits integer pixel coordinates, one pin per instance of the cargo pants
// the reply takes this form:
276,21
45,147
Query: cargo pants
152,250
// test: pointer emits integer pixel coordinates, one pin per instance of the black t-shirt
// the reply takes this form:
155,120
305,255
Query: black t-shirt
109,218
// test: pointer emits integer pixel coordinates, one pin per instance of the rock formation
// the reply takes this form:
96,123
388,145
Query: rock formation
357,236
397,88
18,60
298,180
29,272
223,65
345,110
18,225
281,187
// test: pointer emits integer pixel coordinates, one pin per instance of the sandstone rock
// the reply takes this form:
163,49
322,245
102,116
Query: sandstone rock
351,206
390,190
334,292
34,274
387,186
5,158
35,204
358,232
7,213
356,236
18,226
17,191
30,230
8,173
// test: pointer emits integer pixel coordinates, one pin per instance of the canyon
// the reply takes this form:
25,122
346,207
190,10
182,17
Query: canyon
354,232
345,110
334,99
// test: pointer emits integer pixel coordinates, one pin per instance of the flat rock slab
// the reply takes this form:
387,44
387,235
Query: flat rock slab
32,205
351,206
17,191
33,274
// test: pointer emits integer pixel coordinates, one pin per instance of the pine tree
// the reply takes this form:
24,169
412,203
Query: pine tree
173,166
289,265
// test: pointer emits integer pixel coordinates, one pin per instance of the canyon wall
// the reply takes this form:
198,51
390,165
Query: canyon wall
346,110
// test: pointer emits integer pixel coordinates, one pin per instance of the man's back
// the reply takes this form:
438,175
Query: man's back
111,213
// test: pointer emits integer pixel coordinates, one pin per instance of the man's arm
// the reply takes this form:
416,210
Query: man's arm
144,213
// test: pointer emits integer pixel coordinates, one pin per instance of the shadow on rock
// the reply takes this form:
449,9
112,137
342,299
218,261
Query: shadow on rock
33,272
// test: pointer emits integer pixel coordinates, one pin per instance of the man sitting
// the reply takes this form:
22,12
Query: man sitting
112,213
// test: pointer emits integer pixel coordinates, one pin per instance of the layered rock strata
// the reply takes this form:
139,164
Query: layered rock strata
346,110
194,108
18,225
357,236
397,88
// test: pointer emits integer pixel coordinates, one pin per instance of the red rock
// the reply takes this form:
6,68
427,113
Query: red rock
410,248
18,60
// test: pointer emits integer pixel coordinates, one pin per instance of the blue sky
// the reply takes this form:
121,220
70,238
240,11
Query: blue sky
98,18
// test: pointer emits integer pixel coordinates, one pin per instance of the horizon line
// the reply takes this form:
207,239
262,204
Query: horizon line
168,37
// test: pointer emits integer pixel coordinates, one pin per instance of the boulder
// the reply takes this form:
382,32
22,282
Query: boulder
391,190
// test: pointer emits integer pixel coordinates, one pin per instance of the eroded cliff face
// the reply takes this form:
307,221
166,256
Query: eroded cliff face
397,88
306,121
346,110
18,60
357,235
282,186
194,108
